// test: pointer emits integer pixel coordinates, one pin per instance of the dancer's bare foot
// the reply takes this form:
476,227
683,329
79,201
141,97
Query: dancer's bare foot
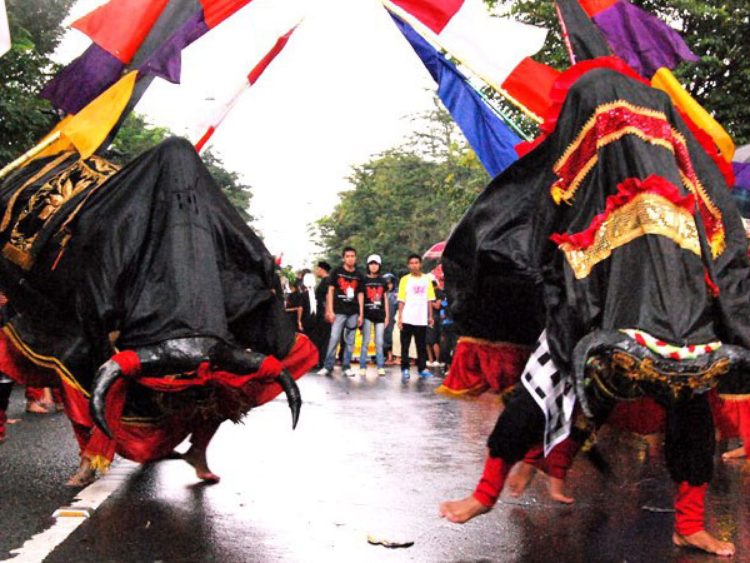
460,511
36,407
733,454
197,458
519,478
705,542
555,488
84,476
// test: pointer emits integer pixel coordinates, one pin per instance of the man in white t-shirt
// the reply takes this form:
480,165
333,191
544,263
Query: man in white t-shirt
415,296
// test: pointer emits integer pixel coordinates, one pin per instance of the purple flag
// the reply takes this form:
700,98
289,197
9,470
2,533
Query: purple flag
644,41
83,80
166,61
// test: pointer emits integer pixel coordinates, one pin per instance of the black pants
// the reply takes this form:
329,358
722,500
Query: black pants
5,388
419,333
448,339
689,440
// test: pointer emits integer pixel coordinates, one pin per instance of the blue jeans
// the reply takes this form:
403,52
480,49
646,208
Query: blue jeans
348,325
379,331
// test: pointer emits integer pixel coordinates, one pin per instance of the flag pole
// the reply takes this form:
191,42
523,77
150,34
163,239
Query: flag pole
430,37
30,154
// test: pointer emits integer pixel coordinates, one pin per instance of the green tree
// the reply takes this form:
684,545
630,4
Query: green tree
35,31
717,32
137,135
406,199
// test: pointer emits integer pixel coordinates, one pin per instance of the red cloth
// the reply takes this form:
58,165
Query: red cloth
644,416
34,393
19,368
3,420
689,508
731,416
129,363
558,462
491,484
480,365
530,83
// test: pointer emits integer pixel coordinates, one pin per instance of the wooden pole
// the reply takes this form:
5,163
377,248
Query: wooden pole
30,154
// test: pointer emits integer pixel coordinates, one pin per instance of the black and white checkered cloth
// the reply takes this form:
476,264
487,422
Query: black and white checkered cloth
554,393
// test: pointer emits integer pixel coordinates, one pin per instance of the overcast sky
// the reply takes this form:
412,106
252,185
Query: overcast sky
341,91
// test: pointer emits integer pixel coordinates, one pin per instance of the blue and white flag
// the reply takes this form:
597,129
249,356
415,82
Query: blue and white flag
490,138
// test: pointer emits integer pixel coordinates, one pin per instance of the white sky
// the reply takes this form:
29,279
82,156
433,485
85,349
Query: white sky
339,93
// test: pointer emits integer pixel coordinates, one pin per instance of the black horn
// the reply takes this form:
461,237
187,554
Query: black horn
293,395
108,373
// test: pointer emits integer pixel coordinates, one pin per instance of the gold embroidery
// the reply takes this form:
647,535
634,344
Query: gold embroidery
645,371
48,200
567,193
646,214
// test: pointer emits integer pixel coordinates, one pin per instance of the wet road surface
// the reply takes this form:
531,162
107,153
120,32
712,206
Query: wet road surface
369,457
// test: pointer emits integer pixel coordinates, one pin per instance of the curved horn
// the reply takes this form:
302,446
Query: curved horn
105,378
590,345
293,395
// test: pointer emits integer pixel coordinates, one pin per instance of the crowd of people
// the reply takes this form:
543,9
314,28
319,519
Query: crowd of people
347,299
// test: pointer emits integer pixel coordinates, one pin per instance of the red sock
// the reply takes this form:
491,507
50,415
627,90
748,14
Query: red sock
491,484
689,508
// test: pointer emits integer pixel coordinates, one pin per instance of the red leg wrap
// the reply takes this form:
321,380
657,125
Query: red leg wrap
689,508
535,457
491,484
3,420
34,393
561,458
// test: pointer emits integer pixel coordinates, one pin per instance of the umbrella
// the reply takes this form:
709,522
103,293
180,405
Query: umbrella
435,251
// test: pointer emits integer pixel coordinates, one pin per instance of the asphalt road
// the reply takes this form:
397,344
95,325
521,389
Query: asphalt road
369,457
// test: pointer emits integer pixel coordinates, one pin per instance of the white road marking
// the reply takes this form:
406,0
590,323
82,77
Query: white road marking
36,549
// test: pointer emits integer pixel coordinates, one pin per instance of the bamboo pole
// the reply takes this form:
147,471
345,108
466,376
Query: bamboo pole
30,154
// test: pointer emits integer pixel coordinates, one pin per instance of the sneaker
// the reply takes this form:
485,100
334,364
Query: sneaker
381,372
405,375
425,373
363,371
324,371
350,372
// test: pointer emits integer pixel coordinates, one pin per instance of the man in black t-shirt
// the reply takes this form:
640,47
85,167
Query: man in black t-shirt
321,331
344,310
376,314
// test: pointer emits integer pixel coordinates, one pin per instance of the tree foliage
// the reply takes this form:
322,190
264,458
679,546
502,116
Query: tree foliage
35,31
716,31
136,136
407,198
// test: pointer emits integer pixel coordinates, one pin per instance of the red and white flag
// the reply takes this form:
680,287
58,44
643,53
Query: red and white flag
490,46
251,79
4,30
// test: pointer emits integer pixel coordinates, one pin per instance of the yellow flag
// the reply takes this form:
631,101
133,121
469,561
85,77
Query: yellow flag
86,130
666,81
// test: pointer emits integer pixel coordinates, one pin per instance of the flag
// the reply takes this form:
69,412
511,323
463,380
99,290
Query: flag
529,87
642,40
252,78
581,37
87,130
491,47
4,30
666,81
134,34
491,139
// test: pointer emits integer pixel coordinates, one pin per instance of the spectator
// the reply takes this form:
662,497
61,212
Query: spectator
433,332
392,297
344,310
293,306
377,314
415,296
448,336
322,329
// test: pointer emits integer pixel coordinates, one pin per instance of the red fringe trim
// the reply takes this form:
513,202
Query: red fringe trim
481,366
